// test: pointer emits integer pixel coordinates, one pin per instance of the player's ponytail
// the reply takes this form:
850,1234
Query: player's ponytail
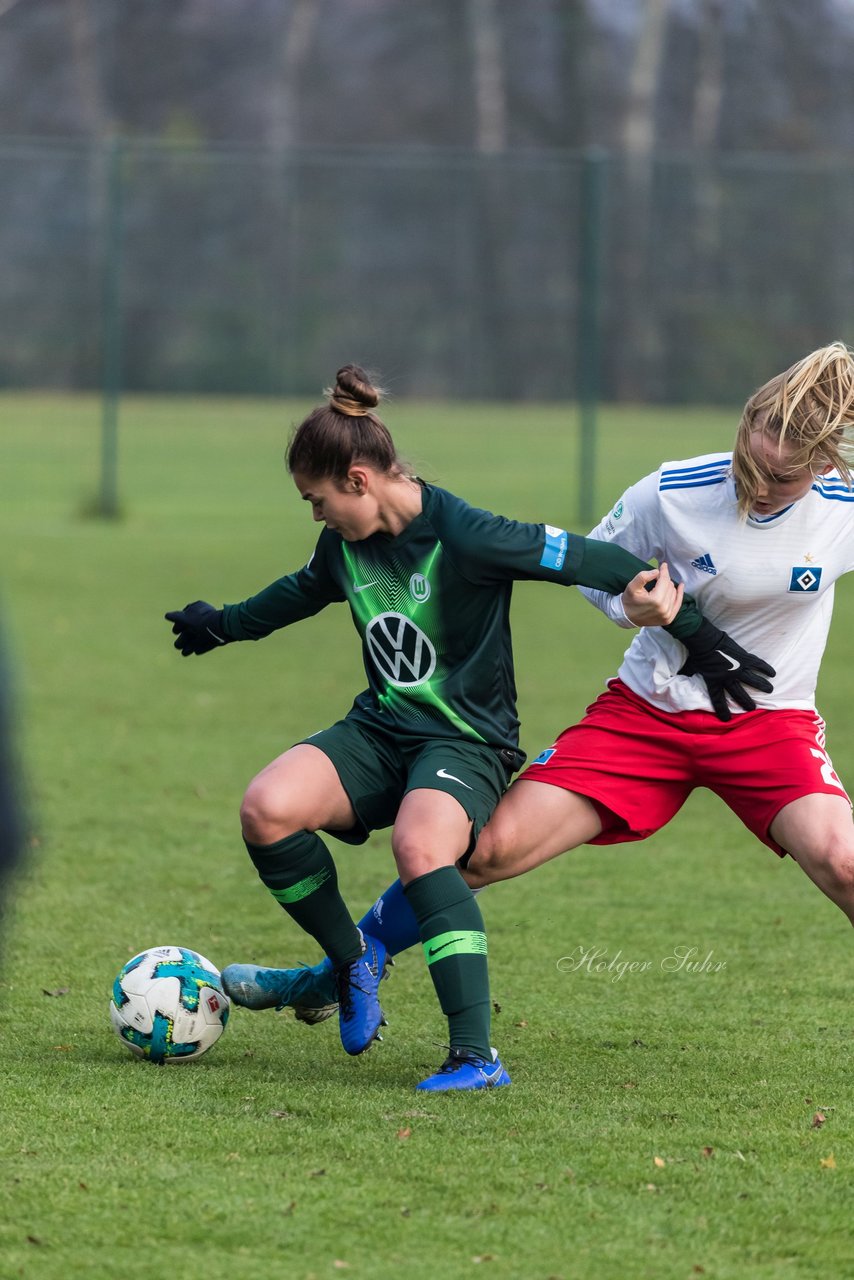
343,431
810,409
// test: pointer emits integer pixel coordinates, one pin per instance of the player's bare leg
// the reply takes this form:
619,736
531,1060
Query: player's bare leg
284,806
818,832
533,823
431,834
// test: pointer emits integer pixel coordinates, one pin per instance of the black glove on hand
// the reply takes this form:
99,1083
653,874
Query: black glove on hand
198,627
726,669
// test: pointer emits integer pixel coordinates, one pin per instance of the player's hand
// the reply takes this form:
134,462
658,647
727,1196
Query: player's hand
726,669
198,627
652,599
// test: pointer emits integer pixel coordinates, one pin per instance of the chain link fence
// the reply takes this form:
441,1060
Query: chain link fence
556,276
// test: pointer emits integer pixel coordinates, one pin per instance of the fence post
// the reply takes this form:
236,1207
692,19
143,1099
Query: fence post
112,335
591,241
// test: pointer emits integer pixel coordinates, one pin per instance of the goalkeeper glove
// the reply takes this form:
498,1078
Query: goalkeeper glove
198,627
726,669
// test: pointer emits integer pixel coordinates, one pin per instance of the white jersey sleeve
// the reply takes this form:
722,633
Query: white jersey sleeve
631,523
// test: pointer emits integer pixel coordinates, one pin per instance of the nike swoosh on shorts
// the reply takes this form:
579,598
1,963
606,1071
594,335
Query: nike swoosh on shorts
442,773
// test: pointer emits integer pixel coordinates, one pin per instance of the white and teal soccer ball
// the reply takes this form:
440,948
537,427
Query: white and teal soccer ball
168,1005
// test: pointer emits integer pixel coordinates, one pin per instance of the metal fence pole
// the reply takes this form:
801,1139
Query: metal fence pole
589,347
111,350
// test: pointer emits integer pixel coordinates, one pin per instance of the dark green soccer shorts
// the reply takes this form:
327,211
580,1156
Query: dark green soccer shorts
377,770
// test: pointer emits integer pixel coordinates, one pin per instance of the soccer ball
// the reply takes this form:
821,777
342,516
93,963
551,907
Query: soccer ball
168,1005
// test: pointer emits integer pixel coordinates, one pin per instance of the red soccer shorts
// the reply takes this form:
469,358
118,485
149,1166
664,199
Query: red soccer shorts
638,765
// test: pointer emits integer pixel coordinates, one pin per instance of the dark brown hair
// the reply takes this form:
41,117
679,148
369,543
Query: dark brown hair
343,431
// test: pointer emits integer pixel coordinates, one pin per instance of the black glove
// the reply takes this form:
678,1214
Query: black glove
726,669
198,627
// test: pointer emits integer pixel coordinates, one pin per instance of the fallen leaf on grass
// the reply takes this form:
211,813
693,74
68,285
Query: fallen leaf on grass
658,1162
708,1152
282,1115
829,1162
64,1048
33,1240
340,1265
57,991
818,1120
404,1133
520,1024
484,1257
317,1173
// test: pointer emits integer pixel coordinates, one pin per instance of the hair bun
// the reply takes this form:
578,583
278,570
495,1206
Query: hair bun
353,393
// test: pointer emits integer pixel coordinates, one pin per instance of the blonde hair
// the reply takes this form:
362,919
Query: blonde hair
810,408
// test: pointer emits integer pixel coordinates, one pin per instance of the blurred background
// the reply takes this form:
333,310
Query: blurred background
647,200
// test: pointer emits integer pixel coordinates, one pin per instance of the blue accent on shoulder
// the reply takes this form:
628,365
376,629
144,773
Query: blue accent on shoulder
833,490
695,477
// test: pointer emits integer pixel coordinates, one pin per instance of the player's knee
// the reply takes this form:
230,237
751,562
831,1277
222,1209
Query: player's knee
838,867
491,853
263,819
831,866
414,857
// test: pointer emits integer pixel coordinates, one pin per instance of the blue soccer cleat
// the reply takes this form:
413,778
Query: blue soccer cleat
309,990
359,1014
462,1071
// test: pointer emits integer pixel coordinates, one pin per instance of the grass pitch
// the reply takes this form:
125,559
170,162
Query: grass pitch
676,1015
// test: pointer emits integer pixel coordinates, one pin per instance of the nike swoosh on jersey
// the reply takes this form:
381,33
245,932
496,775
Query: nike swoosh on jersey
363,587
441,773
434,951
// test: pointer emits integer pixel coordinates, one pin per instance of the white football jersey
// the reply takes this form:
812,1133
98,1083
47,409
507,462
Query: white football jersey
768,582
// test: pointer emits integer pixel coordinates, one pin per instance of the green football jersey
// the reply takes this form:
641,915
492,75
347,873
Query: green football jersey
432,607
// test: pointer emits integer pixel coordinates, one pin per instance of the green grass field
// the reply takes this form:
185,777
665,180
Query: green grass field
661,1124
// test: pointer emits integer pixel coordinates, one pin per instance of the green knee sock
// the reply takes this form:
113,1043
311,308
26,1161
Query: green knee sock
300,874
454,944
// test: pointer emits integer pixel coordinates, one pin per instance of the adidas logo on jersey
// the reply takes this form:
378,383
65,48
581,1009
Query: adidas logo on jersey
706,563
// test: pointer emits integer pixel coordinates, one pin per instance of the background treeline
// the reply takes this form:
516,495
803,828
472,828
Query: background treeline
218,196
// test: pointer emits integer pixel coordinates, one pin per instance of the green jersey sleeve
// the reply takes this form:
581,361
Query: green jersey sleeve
490,548
289,599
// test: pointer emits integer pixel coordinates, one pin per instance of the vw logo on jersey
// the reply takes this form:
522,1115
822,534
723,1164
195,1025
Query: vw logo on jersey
805,578
401,652
420,588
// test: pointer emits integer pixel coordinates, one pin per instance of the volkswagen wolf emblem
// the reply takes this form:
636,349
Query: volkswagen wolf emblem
401,652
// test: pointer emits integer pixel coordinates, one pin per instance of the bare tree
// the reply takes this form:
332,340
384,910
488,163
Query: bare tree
639,138
490,96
